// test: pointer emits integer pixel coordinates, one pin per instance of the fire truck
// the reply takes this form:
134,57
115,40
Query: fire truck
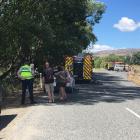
80,67
110,65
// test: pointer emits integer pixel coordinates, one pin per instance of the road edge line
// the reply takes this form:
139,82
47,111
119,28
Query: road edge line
132,112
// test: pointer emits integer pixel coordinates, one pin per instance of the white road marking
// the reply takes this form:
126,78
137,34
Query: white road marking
131,111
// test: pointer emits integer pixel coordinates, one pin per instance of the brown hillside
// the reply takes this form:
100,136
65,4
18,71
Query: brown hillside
121,52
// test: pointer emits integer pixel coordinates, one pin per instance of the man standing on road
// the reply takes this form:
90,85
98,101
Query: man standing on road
48,80
26,76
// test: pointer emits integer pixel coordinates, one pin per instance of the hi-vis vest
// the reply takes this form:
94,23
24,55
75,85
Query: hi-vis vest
26,72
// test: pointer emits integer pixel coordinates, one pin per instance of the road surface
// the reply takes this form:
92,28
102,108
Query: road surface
108,109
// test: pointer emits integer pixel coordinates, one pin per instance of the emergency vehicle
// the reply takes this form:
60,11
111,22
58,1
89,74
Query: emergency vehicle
119,66
110,65
80,67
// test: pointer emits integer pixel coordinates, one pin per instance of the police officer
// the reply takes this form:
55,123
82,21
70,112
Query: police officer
26,75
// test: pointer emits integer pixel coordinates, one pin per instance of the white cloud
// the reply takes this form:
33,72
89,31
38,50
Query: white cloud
126,24
98,47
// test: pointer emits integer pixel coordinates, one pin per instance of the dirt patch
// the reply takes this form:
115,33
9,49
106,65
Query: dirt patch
10,118
13,112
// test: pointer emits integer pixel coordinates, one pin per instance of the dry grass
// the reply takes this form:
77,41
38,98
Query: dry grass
134,74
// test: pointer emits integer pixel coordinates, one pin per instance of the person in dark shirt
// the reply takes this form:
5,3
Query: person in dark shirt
48,80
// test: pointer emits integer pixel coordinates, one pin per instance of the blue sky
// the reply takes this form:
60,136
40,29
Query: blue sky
120,25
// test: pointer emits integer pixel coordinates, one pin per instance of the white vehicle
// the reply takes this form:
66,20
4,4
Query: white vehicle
119,67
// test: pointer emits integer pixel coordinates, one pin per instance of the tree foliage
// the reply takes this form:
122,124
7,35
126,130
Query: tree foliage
100,62
114,58
97,62
133,59
39,30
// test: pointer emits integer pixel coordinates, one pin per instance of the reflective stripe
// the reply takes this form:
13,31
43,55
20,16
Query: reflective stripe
87,73
25,69
69,64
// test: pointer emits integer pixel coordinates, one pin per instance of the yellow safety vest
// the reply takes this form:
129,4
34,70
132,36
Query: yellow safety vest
26,72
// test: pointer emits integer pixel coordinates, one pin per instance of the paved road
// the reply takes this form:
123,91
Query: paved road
106,110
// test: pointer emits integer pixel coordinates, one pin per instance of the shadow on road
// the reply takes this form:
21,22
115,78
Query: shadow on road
117,95
5,120
106,88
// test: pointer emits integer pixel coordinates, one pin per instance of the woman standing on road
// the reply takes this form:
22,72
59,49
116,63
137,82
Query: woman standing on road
61,81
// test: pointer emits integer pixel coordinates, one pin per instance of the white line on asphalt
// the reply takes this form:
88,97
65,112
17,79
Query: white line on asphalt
131,111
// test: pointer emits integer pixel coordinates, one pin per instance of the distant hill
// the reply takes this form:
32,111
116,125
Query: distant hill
121,52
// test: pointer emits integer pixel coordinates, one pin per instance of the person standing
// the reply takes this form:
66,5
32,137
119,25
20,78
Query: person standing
26,76
61,81
48,80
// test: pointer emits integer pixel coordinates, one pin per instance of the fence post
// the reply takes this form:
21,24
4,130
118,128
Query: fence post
41,85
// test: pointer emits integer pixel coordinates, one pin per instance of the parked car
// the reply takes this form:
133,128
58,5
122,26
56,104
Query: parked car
119,67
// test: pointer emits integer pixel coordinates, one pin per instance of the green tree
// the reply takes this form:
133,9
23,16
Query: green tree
113,58
136,58
39,30
127,59
97,62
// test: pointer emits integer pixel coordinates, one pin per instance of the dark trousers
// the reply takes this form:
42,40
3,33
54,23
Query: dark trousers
27,84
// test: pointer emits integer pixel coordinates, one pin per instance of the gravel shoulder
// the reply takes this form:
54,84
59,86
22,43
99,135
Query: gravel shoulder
9,119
